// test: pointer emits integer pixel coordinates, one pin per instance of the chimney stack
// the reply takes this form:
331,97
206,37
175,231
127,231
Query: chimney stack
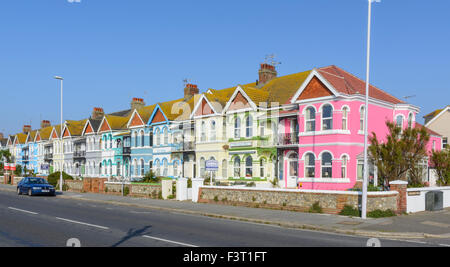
267,72
26,129
1,136
97,114
190,91
137,103
45,124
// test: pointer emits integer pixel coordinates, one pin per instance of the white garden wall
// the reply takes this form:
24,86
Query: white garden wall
416,197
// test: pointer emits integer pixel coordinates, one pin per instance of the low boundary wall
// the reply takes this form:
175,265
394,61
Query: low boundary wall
416,197
332,202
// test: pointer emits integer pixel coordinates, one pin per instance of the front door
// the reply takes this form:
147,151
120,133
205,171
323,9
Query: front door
292,170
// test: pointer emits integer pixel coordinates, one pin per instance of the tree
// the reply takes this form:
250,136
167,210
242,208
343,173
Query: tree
400,153
5,154
441,162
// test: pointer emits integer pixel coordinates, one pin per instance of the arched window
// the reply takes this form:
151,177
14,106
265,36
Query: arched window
151,138
142,167
135,139
344,166
157,166
202,167
262,127
110,141
249,126
327,117
327,165
310,119
110,167
175,168
237,167
142,139
224,169
410,120
166,168
310,165
345,118
158,137
166,136
203,132
213,131
362,117
119,169
399,121
262,168
136,168
249,167
237,127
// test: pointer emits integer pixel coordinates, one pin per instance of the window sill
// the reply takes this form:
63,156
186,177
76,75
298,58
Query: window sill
325,180
325,132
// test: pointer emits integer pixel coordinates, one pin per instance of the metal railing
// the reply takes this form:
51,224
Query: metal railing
287,139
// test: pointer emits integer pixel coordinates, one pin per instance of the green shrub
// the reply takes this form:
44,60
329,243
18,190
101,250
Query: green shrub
160,195
316,208
65,187
251,184
126,191
171,197
53,178
150,177
381,214
350,211
216,198
106,189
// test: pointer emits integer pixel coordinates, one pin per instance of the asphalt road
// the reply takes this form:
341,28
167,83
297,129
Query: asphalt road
52,221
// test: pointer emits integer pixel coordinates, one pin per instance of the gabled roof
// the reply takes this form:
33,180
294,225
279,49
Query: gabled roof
94,124
435,114
114,123
346,83
431,132
31,136
178,110
143,114
44,133
21,138
75,128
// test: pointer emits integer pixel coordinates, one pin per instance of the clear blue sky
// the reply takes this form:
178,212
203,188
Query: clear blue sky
111,51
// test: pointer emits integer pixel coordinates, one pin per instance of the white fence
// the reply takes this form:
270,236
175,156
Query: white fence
416,197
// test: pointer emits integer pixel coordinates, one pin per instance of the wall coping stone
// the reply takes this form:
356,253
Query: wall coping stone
302,191
428,189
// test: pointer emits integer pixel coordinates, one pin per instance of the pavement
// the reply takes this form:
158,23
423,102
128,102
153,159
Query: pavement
419,227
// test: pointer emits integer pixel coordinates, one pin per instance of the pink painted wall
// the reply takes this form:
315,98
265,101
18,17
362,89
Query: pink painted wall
340,143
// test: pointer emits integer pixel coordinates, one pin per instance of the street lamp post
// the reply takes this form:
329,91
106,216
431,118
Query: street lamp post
60,171
366,118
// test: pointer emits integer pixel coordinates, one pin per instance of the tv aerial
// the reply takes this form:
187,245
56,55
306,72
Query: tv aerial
270,59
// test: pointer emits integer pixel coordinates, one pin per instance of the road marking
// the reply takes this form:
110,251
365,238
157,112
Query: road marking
87,224
26,211
169,241
437,224
444,245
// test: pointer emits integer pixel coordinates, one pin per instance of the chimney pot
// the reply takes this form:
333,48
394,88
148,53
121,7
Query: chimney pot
45,123
190,91
26,129
267,72
137,103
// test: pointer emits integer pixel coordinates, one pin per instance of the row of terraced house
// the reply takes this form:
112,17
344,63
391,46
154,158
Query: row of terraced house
305,128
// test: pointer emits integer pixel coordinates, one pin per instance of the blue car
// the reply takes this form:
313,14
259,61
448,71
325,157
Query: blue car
35,186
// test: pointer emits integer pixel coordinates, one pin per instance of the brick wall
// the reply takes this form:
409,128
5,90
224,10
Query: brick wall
332,202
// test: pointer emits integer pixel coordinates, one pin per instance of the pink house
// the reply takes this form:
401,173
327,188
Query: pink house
323,137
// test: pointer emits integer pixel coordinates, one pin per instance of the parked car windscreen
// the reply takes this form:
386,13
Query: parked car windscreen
36,181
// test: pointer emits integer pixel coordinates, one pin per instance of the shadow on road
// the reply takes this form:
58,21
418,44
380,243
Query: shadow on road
131,234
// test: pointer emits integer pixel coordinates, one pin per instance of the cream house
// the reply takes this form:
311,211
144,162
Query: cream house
439,121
